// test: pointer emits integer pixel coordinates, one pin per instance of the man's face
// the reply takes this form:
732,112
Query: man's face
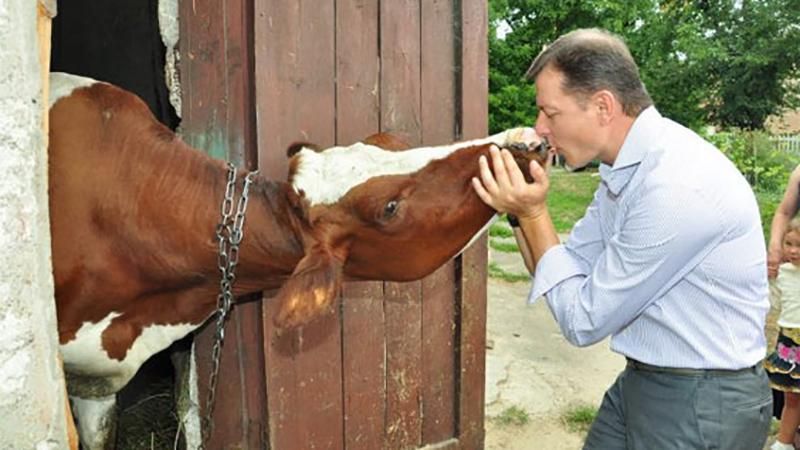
571,126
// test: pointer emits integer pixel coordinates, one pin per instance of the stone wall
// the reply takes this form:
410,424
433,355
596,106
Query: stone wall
32,401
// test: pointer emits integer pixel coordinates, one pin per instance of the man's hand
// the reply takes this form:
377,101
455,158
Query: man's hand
504,188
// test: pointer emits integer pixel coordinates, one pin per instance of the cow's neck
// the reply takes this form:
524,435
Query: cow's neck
273,243
183,254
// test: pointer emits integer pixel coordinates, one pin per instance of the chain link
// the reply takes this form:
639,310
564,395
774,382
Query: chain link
229,235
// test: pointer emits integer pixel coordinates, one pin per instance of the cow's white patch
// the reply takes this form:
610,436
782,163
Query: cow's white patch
62,84
85,355
327,176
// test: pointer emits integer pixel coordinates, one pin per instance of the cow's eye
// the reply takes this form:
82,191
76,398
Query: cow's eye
390,209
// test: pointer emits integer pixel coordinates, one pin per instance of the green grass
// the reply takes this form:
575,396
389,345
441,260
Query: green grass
580,418
774,427
505,247
513,415
498,229
496,271
569,195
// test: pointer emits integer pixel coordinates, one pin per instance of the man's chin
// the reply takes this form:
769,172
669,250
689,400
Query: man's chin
571,167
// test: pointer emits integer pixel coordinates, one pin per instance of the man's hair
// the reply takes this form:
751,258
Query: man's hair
591,60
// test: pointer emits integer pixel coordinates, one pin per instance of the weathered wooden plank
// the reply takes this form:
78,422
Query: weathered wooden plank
363,343
474,76
294,59
403,364
218,113
45,11
438,290
357,70
201,78
251,362
449,444
400,112
364,365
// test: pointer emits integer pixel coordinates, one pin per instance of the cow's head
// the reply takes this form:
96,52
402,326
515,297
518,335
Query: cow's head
376,213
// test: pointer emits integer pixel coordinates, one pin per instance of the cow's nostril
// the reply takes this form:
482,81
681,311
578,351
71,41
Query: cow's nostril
543,147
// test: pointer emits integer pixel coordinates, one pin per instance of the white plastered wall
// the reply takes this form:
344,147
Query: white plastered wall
32,402
169,26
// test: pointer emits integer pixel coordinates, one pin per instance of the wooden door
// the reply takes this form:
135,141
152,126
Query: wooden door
218,117
400,365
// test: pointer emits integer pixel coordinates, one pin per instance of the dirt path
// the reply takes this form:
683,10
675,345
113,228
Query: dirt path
530,366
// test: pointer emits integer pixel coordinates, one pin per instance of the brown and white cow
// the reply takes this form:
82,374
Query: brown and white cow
133,211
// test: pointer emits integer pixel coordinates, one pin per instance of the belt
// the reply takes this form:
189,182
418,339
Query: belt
638,365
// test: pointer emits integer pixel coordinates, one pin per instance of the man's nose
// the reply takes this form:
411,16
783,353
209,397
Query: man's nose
541,127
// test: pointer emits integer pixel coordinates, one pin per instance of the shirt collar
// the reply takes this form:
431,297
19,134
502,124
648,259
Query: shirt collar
633,151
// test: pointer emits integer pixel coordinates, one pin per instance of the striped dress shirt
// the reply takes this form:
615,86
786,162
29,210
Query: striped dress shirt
669,259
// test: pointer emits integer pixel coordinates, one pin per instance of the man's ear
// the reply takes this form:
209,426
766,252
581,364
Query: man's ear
312,289
606,104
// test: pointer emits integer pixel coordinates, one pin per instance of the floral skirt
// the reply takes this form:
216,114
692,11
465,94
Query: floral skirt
783,365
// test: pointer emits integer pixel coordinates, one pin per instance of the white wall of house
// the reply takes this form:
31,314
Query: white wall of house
32,402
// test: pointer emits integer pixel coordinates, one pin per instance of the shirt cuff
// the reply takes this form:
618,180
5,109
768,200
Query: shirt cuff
556,265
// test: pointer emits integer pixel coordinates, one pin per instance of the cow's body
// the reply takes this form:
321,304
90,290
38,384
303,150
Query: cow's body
133,212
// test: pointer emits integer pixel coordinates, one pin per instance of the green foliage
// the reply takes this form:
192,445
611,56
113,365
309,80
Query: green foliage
767,204
765,167
580,418
755,52
513,415
728,62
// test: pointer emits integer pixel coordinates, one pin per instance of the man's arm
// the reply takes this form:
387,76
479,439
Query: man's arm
524,250
643,260
542,234
783,214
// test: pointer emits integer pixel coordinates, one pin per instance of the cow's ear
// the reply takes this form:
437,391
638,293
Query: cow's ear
311,290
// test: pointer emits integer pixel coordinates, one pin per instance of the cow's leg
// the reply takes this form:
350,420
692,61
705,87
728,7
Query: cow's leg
97,421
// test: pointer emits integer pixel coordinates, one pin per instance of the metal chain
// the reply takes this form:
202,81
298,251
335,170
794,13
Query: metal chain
229,235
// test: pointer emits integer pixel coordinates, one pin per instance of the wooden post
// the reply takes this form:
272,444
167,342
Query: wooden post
46,10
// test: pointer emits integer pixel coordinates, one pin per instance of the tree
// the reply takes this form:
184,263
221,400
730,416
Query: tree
754,67
531,24
726,62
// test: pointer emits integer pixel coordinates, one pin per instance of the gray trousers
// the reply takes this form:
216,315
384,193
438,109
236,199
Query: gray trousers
649,409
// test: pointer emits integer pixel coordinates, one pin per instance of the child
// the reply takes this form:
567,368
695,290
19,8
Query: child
783,365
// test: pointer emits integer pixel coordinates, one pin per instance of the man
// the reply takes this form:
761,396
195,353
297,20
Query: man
783,214
668,260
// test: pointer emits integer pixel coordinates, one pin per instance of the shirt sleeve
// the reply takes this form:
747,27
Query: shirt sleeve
664,234
576,257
